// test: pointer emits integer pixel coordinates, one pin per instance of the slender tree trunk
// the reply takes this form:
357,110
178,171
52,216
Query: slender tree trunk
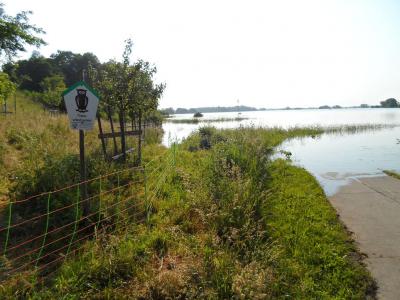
123,141
103,144
112,130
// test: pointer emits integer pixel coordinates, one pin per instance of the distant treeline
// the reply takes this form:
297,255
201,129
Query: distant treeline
210,109
388,103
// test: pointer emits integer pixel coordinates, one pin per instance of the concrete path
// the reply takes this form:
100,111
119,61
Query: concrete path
370,208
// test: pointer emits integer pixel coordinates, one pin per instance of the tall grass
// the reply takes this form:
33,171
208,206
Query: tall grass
34,142
392,174
226,223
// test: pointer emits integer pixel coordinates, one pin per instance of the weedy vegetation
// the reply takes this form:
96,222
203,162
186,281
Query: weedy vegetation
227,221
392,173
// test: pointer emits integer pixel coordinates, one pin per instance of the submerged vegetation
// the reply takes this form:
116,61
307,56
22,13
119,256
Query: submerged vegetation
196,120
353,129
226,221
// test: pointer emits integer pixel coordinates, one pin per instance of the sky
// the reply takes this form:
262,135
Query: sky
263,53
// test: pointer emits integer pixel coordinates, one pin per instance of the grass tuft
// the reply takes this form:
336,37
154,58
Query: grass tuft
392,173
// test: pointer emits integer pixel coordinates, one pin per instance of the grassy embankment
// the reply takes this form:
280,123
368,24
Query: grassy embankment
227,223
392,173
33,139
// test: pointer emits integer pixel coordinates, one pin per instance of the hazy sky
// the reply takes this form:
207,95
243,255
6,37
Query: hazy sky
264,53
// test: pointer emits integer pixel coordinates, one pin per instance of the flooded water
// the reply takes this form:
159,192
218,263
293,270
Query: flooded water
333,159
285,119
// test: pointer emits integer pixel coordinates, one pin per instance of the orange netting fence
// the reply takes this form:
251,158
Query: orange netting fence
41,231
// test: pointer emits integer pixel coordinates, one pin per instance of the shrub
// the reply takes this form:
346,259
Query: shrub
198,115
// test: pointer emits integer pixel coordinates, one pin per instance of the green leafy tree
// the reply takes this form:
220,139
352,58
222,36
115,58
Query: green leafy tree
71,64
7,88
127,86
11,68
100,78
53,83
128,89
142,92
53,86
390,103
33,71
30,73
16,33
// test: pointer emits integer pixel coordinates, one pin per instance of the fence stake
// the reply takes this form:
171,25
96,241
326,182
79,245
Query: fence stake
76,220
8,227
46,230
147,204
132,186
118,197
98,221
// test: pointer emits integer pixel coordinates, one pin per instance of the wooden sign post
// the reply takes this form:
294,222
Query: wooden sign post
81,102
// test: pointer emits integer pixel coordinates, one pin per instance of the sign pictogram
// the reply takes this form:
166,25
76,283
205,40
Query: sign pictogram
81,102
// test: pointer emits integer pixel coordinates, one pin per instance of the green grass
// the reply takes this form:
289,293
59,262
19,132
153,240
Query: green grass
392,173
226,222
33,142
317,258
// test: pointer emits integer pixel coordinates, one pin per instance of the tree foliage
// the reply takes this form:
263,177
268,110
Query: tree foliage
6,87
29,73
390,103
16,33
53,87
72,64
33,71
127,86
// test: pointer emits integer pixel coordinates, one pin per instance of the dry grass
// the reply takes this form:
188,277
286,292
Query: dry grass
32,134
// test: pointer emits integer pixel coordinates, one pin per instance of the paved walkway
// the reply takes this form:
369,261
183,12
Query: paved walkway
370,208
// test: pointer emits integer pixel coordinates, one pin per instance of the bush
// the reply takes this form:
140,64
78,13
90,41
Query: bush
198,115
